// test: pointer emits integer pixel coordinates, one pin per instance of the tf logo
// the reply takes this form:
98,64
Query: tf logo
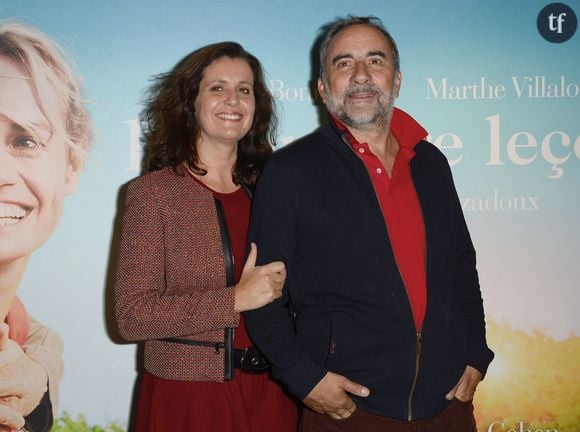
557,22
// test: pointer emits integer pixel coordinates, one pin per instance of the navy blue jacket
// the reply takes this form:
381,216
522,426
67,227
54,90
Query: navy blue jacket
345,308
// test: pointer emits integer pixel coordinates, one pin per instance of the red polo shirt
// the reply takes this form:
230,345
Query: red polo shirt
400,207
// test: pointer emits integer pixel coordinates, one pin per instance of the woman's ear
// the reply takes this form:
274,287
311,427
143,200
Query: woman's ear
73,172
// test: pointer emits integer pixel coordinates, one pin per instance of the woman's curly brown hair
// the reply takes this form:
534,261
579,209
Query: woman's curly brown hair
171,129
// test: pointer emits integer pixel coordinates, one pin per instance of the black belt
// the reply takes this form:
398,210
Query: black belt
250,360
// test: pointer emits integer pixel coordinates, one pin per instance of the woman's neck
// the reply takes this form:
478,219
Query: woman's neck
10,276
219,161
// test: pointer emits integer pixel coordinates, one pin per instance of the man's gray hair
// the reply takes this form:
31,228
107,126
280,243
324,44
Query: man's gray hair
331,29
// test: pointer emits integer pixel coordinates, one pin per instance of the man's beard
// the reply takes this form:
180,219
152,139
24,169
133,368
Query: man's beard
370,117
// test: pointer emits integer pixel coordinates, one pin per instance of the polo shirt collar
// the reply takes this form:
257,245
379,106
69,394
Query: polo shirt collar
404,127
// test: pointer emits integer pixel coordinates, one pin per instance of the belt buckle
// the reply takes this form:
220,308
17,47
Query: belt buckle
253,361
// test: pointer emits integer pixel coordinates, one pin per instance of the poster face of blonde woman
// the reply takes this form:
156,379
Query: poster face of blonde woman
34,170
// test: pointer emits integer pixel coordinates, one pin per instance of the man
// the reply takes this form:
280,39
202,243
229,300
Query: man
381,324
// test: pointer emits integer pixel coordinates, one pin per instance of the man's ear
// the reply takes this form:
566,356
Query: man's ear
397,84
321,90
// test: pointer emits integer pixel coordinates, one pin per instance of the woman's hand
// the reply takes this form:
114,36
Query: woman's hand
258,285
10,420
23,381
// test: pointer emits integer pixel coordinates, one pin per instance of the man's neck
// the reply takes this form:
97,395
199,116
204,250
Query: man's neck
381,142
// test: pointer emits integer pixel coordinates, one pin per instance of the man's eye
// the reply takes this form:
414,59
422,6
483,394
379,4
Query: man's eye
376,61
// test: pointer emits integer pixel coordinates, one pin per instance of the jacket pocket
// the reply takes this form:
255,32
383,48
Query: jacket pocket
331,344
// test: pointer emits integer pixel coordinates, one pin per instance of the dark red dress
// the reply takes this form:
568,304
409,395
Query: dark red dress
248,403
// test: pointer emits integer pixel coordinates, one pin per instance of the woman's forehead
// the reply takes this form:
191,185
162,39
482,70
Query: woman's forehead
20,101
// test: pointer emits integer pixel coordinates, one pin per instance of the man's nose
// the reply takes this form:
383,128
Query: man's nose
360,73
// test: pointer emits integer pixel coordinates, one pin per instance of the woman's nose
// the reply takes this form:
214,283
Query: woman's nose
232,98
7,168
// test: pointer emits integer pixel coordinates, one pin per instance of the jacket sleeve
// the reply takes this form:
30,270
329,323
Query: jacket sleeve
275,231
41,419
142,309
45,346
468,293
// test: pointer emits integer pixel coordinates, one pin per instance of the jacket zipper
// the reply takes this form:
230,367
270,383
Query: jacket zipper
419,342
417,360
419,345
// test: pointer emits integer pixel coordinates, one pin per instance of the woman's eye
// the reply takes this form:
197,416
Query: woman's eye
216,88
26,145
245,91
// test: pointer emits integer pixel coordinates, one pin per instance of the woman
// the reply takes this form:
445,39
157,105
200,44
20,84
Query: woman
180,284
44,135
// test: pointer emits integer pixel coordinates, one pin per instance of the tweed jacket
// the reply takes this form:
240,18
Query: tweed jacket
171,276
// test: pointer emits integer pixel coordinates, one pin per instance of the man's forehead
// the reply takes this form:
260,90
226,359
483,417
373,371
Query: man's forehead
360,37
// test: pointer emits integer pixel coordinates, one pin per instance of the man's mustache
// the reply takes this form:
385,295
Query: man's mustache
369,88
